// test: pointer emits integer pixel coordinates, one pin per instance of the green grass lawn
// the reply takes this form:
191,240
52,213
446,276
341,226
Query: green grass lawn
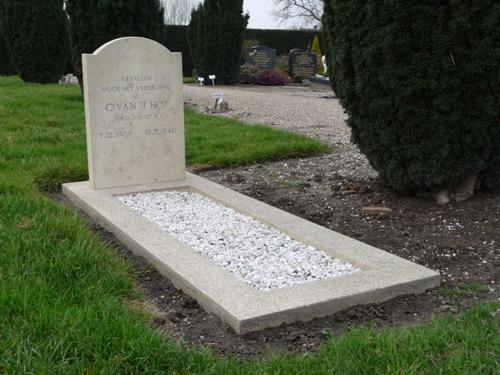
44,126
67,299
213,141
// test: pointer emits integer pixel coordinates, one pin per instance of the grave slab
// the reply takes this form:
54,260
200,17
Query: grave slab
135,143
244,308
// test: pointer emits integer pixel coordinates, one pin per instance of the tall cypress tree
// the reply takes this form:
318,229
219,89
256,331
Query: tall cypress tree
215,37
36,36
95,22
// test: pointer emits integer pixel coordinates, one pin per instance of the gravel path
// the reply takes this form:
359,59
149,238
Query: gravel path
317,117
263,257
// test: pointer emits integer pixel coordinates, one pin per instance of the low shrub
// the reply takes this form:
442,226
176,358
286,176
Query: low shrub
271,78
247,74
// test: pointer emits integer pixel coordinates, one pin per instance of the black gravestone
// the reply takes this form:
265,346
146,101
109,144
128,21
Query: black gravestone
260,56
302,63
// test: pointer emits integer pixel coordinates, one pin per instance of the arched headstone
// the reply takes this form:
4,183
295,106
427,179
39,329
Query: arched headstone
134,113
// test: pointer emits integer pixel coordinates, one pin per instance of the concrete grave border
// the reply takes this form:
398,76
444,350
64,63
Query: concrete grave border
243,307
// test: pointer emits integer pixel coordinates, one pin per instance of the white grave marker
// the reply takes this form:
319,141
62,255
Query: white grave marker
218,95
134,113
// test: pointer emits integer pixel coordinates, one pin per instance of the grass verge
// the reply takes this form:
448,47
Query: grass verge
66,298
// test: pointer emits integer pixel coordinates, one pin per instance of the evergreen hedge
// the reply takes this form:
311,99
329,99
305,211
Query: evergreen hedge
420,80
96,22
215,37
36,36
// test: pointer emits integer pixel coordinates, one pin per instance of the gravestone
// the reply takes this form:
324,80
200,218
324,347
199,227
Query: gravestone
260,56
302,63
135,136
134,113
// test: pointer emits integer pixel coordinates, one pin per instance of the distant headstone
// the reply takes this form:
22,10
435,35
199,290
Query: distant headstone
302,63
68,79
261,56
134,113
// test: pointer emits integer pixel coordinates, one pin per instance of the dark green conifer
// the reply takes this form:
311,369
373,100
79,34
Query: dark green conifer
420,80
6,67
215,37
96,22
36,36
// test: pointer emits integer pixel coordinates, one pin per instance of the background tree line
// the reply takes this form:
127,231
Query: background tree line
37,37
419,79
36,55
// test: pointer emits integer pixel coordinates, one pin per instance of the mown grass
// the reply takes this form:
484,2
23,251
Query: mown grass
67,299
213,141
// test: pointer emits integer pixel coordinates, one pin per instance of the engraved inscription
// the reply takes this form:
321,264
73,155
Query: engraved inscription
132,106
261,57
160,132
115,134
302,63
141,78
133,117
138,110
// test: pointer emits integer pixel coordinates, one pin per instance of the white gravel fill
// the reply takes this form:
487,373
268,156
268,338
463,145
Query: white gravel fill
260,255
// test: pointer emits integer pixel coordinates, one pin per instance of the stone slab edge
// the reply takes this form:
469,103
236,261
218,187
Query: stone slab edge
244,308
